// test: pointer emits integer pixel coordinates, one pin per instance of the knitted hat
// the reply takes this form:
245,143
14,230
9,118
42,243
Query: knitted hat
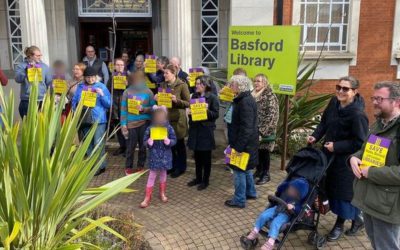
90,71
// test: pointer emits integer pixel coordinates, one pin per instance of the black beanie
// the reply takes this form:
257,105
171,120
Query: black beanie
89,71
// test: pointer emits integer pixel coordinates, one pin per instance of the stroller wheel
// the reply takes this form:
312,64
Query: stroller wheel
316,240
248,244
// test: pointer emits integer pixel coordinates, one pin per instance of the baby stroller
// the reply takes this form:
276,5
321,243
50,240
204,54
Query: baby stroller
311,164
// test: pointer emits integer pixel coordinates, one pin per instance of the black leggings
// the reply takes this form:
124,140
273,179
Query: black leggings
203,165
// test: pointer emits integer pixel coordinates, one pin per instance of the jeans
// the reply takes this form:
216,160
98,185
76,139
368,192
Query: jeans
97,139
135,137
179,156
278,219
244,186
203,166
383,235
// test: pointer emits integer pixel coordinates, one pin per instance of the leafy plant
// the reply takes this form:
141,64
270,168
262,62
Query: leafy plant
305,105
44,178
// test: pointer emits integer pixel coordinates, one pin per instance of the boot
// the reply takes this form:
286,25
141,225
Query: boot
264,178
146,202
163,188
337,230
356,225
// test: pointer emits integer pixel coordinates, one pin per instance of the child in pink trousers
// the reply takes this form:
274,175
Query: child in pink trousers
160,154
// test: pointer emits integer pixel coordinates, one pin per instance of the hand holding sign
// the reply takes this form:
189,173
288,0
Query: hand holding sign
150,64
34,72
164,97
119,80
89,97
158,133
198,109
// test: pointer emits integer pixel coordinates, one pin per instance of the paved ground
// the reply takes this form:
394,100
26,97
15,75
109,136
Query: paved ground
199,220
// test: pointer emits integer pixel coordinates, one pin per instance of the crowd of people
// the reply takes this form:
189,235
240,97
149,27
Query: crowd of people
366,195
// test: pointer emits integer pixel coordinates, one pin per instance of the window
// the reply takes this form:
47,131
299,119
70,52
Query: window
325,25
123,8
14,28
209,33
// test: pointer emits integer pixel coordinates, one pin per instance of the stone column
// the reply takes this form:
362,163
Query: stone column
33,25
180,31
252,12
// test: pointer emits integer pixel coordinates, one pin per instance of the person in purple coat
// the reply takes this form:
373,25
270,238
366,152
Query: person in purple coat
160,153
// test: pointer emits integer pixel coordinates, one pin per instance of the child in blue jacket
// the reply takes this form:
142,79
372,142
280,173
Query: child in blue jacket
293,193
91,115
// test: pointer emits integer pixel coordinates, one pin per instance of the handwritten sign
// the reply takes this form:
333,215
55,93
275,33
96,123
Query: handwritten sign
164,97
150,61
226,94
89,97
59,84
198,108
193,74
158,133
375,152
119,80
34,73
149,84
234,158
134,103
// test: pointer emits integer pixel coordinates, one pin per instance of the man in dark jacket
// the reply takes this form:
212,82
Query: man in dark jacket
91,60
243,137
377,188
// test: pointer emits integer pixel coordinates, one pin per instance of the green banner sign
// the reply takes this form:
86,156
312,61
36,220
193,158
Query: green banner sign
272,50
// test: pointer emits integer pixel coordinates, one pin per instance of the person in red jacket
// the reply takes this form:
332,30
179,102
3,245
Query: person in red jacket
3,78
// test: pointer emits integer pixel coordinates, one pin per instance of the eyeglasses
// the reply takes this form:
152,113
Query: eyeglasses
343,89
379,99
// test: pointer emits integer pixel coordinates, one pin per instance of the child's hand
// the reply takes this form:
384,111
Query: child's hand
150,142
167,141
290,207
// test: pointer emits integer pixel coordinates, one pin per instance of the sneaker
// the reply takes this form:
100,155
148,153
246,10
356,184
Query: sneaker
128,171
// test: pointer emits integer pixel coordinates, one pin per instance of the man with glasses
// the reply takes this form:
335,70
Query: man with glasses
99,66
377,188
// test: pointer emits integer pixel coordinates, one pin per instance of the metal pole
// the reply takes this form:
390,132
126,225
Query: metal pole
279,21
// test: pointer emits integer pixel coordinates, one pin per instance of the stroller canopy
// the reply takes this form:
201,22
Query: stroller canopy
310,163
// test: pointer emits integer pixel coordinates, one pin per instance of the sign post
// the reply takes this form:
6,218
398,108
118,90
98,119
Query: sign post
272,50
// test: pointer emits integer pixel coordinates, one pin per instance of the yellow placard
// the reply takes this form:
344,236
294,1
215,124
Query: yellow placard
149,84
89,98
158,133
59,86
226,94
193,74
133,106
111,67
375,152
150,66
164,99
198,111
34,74
239,160
119,82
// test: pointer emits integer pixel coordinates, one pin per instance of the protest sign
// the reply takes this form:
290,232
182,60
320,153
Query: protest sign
375,152
198,108
134,103
150,62
164,97
226,94
119,80
158,133
34,73
193,74
236,159
59,84
272,50
89,97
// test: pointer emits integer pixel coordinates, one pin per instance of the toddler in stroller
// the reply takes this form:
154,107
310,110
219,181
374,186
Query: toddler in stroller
290,197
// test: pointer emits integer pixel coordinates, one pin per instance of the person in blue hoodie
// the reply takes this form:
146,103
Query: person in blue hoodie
293,193
91,115
31,70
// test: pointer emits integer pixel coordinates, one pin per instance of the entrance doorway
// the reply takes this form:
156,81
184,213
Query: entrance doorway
132,37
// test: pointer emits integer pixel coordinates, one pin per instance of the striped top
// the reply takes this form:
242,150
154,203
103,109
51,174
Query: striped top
132,120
